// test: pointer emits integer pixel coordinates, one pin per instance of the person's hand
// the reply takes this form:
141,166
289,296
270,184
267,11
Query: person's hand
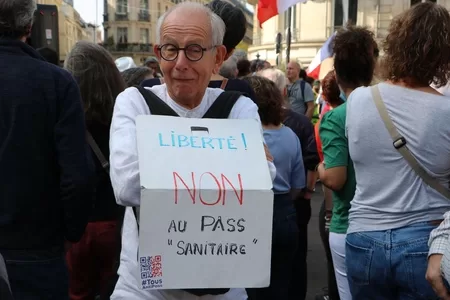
434,276
328,215
269,156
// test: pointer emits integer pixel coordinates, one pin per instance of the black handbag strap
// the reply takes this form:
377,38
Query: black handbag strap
98,153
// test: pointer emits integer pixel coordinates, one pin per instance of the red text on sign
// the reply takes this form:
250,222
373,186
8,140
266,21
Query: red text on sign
193,186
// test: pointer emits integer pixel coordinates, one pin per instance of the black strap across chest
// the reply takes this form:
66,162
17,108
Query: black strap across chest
220,109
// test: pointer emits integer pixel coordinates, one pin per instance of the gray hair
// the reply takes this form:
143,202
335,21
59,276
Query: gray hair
276,76
229,68
16,17
217,24
240,54
98,78
135,76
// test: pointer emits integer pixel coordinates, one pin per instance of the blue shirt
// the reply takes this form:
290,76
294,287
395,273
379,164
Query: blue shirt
285,148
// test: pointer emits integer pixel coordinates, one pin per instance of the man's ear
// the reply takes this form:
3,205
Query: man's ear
228,55
157,53
221,51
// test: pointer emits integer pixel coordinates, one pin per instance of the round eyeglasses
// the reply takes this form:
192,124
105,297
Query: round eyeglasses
193,52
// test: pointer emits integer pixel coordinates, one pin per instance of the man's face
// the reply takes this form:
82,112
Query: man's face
187,80
292,71
154,66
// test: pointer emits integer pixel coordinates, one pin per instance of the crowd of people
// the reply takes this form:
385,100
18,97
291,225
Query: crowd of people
69,165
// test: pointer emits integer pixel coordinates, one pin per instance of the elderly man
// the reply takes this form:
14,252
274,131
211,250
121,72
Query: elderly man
45,168
189,47
300,93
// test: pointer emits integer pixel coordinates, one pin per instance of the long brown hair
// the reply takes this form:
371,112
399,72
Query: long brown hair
98,78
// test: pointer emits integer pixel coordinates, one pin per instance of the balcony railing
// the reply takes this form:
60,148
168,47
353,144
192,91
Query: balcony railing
130,47
248,40
121,17
144,16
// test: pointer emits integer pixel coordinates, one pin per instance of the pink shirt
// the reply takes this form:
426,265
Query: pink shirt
326,108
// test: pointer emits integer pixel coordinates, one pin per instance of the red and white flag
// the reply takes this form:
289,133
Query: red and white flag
325,52
271,8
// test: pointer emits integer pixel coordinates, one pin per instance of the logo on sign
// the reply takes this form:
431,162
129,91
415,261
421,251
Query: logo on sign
151,271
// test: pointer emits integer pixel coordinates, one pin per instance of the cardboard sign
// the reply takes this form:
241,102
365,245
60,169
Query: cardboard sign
206,204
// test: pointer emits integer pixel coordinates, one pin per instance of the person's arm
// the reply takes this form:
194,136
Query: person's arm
438,243
439,236
311,157
309,101
333,172
297,179
124,160
76,166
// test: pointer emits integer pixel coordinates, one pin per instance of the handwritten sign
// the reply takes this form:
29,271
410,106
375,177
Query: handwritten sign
206,204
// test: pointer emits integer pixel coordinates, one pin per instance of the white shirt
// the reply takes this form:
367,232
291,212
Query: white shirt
124,171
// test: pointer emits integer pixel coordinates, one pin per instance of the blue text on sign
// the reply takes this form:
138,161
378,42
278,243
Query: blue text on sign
206,142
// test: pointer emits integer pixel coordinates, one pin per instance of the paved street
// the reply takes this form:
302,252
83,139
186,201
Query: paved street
316,255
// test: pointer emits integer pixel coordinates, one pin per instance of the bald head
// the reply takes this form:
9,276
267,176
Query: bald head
295,65
293,71
216,28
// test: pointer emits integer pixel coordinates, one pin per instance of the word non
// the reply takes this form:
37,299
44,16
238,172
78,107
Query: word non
215,249
193,184
231,224
202,142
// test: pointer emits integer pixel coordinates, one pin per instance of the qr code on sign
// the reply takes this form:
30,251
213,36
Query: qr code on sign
151,267
156,266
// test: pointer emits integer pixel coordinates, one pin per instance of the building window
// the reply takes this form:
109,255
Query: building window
144,5
414,2
144,36
122,35
286,19
339,12
352,11
144,14
167,8
159,9
122,7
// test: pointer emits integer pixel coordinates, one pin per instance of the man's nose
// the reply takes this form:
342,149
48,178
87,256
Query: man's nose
182,61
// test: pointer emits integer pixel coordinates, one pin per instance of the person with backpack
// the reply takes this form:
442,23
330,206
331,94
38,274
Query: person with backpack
300,93
189,47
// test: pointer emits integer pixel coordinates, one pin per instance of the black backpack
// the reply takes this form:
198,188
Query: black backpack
220,109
